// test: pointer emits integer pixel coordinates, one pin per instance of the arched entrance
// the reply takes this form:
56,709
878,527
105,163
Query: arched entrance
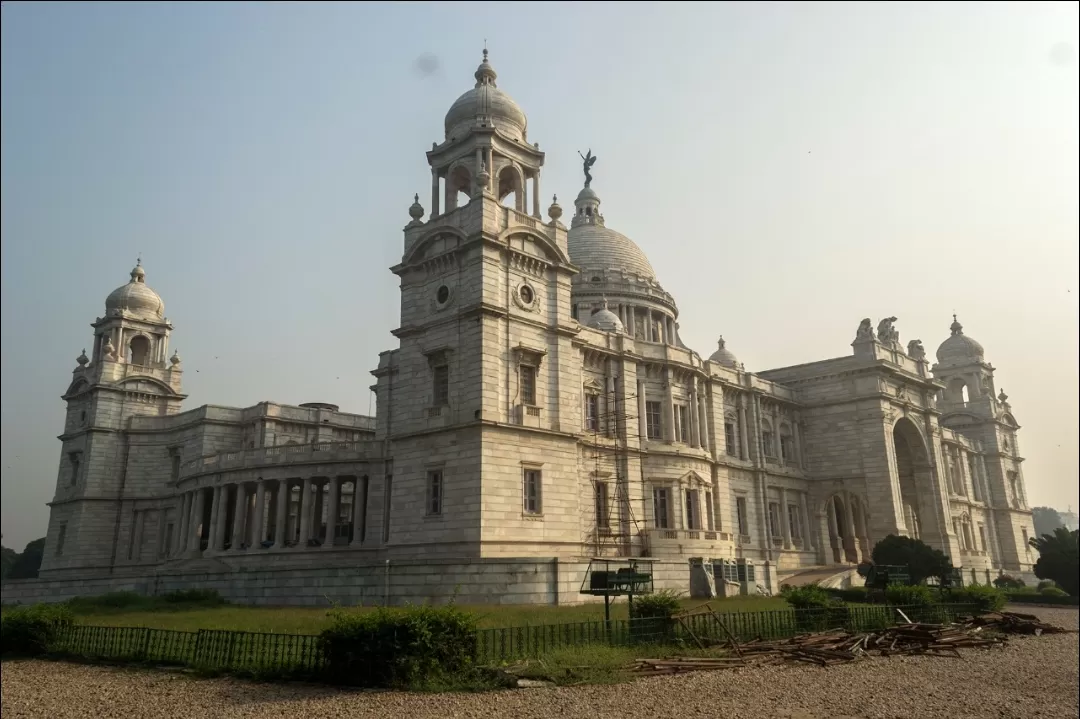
915,474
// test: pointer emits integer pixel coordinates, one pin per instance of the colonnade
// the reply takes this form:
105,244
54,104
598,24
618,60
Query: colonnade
846,524
273,514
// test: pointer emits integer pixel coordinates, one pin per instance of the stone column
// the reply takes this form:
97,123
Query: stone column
434,193
849,502
182,524
332,510
239,515
703,416
222,503
796,436
359,509
317,506
785,525
692,414
643,422
260,511
807,530
536,194
281,509
744,429
669,406
632,324
198,500
305,511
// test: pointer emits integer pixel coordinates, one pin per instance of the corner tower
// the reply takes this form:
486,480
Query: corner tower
970,407
128,373
478,394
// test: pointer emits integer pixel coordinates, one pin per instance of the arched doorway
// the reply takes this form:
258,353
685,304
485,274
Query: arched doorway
915,475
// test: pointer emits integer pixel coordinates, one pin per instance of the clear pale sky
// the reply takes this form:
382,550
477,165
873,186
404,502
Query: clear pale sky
788,168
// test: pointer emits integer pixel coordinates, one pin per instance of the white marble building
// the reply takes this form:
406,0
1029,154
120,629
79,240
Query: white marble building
540,409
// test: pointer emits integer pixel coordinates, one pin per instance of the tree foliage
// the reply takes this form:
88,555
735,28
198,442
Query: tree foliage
921,559
1059,558
1046,519
26,565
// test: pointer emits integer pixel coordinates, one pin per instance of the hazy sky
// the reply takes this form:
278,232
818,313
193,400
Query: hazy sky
788,168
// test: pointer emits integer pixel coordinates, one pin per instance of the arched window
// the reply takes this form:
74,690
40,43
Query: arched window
458,188
139,350
958,391
731,435
767,441
511,191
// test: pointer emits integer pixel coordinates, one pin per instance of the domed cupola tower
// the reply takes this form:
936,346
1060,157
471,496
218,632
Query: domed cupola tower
612,266
485,148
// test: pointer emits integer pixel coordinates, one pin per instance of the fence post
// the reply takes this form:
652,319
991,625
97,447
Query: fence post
145,650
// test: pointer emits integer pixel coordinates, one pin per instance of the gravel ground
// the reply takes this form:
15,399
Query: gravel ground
1031,677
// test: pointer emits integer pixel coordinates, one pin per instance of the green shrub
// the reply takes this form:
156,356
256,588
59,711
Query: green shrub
111,601
29,631
858,595
1044,583
193,596
1025,598
398,647
808,596
1007,581
1053,592
650,616
815,608
981,597
918,595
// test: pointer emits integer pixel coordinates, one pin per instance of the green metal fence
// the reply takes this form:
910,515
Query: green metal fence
301,655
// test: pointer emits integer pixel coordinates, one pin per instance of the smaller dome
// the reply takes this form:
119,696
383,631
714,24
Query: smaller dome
606,321
724,356
959,349
485,104
136,297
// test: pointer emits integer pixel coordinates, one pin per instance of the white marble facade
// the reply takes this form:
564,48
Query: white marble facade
540,406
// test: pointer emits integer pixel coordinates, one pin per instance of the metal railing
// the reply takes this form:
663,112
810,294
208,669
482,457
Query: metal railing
302,655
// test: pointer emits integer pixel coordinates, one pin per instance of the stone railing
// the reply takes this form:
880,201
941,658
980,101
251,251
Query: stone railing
281,455
682,535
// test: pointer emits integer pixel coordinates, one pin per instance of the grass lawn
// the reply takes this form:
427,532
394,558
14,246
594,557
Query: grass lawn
311,620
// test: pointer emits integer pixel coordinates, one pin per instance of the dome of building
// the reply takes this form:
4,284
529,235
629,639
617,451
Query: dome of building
485,104
136,297
724,356
606,320
593,246
959,348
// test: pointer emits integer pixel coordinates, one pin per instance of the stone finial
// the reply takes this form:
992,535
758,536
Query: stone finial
720,343
416,210
555,211
82,359
175,359
483,178
1002,397
956,328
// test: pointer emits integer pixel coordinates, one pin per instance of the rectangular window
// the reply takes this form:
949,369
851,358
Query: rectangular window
174,459
730,440
693,515
661,509
531,491
774,519
592,412
600,501
709,516
787,448
767,444
61,537
794,523
653,428
740,516
528,384
76,464
982,537
441,385
682,423
434,492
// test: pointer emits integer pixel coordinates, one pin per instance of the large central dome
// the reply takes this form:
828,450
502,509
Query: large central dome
593,246
485,106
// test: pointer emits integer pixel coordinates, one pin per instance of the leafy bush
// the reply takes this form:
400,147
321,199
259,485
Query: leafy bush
909,596
1007,581
815,608
193,596
650,616
398,647
921,559
1053,592
1044,583
808,596
863,569
858,595
111,600
980,596
30,630
1059,558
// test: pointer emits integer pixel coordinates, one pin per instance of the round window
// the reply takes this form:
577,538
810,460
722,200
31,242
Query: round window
526,294
442,294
